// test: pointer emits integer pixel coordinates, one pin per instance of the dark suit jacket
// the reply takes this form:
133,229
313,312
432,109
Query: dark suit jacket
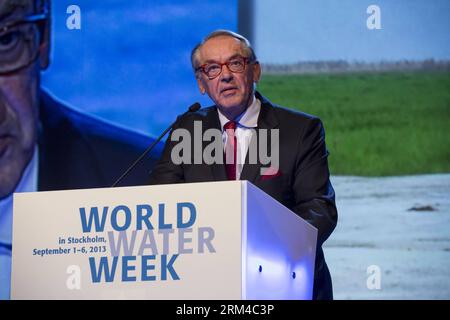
79,151
303,184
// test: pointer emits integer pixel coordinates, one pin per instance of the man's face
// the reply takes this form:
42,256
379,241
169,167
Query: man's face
18,105
231,92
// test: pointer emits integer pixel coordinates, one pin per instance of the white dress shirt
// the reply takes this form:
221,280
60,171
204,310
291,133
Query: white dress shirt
245,122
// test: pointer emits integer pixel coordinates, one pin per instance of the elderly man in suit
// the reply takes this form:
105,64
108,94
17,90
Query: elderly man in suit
45,145
227,70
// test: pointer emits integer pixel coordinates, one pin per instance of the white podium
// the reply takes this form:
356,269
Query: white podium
219,240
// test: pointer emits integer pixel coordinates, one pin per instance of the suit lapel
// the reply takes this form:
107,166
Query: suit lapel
266,120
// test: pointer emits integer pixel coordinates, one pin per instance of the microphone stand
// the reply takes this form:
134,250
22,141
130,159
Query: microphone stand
193,108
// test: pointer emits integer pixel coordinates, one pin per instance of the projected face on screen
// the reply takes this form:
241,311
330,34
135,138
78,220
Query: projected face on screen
22,55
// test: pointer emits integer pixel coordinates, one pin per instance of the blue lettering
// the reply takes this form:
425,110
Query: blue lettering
168,266
103,267
146,266
126,268
93,217
141,217
161,223
114,219
192,217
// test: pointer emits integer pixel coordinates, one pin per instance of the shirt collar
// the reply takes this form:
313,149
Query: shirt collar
28,183
247,119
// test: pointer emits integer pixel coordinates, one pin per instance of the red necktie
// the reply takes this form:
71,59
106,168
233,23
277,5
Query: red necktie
230,150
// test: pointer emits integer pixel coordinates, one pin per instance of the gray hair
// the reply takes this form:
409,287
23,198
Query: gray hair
245,44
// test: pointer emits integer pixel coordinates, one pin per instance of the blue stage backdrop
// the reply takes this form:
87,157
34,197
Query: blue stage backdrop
130,61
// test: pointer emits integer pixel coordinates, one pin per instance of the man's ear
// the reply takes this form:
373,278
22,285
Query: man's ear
256,72
200,84
44,47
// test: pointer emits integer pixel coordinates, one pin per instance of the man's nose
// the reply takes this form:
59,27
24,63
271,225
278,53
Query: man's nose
226,74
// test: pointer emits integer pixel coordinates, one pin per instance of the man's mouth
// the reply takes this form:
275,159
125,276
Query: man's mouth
228,91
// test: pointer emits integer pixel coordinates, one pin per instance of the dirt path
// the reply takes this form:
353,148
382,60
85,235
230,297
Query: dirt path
410,248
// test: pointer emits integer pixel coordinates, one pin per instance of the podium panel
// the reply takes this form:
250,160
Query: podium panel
216,240
280,249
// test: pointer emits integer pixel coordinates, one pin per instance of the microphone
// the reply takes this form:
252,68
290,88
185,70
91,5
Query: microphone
193,108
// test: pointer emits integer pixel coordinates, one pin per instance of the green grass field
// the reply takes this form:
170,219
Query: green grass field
377,124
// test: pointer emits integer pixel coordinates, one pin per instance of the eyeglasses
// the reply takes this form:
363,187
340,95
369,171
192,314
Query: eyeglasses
213,70
19,42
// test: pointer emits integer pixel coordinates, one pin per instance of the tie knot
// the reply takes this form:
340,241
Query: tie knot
230,125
